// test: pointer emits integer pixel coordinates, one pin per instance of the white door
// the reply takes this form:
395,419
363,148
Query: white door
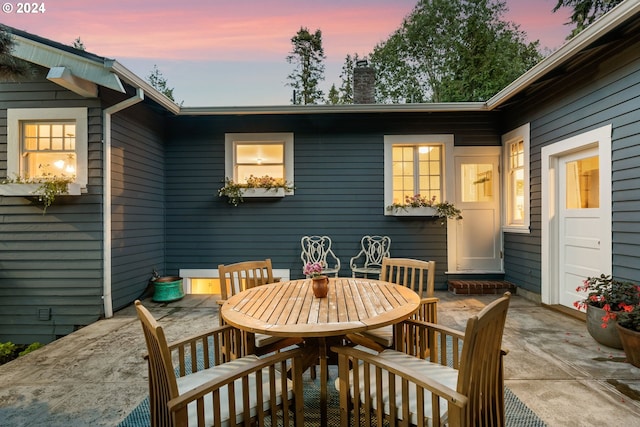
576,214
580,224
478,235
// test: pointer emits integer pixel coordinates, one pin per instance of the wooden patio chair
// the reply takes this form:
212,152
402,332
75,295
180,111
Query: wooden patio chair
235,278
318,249
369,260
415,274
459,383
210,379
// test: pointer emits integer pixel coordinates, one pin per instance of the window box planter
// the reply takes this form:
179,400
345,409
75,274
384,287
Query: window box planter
30,190
263,193
410,211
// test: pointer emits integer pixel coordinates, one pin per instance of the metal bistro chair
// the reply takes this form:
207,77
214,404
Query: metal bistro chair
369,260
200,380
235,278
414,274
318,249
434,376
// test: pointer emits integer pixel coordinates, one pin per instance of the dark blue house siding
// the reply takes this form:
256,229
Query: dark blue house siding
50,265
608,94
137,169
339,180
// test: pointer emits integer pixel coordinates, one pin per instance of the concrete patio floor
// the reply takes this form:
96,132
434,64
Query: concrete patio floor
96,376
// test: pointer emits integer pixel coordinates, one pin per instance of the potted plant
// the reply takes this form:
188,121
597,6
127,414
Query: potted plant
320,282
45,188
628,327
606,298
254,187
421,205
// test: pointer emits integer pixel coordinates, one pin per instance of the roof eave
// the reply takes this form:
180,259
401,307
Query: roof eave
52,57
333,109
129,77
606,23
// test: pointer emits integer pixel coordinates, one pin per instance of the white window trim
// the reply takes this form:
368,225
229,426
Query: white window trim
17,115
523,132
230,138
446,141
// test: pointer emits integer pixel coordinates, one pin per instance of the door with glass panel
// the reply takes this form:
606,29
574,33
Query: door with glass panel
579,222
478,235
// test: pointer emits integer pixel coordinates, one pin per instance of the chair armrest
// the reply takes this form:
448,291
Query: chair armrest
352,261
284,367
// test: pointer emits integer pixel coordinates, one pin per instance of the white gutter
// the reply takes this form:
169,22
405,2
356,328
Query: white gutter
336,109
106,200
603,25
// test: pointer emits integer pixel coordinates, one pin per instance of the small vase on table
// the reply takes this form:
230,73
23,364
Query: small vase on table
320,286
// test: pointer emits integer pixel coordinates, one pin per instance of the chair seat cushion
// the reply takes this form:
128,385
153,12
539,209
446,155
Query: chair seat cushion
383,335
443,374
191,381
263,340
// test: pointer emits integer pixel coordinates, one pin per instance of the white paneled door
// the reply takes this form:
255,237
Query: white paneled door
478,234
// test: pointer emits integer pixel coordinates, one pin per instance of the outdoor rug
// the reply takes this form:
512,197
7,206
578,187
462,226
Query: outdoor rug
517,413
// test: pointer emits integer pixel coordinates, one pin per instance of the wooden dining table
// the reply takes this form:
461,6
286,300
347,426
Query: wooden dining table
289,309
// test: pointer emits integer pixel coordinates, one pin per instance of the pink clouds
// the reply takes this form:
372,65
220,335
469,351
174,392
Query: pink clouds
221,30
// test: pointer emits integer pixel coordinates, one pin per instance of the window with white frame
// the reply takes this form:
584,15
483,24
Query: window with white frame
416,164
259,154
47,142
516,184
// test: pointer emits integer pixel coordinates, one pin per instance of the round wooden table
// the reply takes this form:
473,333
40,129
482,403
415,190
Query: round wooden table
289,309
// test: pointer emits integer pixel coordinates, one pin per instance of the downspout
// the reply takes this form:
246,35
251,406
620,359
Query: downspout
106,200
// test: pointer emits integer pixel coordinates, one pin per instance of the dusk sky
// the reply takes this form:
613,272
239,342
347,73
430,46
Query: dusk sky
233,53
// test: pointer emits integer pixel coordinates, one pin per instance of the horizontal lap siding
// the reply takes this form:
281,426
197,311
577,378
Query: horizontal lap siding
339,190
138,202
50,262
607,94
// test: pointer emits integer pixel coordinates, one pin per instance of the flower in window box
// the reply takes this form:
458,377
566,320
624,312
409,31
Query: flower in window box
234,190
443,210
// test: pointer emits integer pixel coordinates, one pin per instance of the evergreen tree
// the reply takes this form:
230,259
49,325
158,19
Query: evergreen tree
346,76
159,82
333,97
77,44
585,12
10,66
307,56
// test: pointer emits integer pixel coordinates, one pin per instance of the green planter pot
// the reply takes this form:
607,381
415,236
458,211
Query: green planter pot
631,344
606,336
167,289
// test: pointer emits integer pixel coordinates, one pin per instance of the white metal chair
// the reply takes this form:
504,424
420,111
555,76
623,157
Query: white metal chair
318,249
369,260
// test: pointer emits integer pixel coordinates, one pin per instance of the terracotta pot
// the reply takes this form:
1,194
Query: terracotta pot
631,344
606,336
320,286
